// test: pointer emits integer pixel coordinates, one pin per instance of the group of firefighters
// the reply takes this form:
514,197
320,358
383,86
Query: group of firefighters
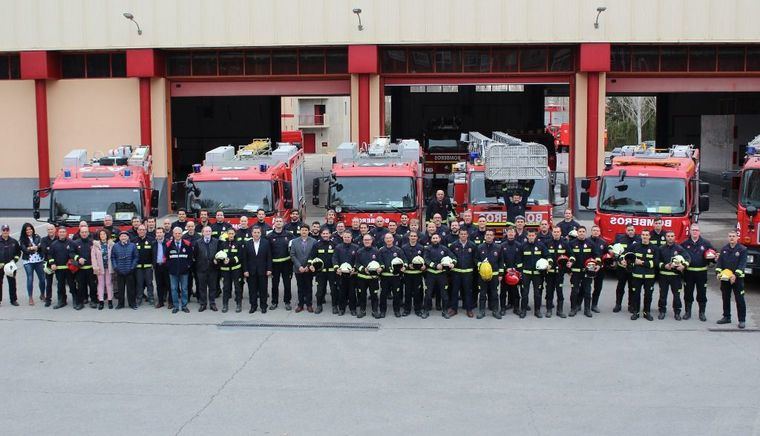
418,269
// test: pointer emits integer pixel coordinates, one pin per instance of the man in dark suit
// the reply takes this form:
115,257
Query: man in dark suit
204,250
159,268
258,266
300,248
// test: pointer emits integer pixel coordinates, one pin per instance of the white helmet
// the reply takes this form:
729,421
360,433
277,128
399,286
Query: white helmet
10,269
396,264
220,255
542,264
678,260
345,267
373,266
447,262
617,249
418,262
573,233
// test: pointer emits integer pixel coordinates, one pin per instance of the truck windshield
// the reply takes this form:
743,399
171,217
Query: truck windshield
92,205
373,193
235,196
750,195
539,195
645,195
445,146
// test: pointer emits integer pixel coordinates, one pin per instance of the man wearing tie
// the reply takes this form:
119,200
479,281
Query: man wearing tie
160,271
300,248
258,266
205,266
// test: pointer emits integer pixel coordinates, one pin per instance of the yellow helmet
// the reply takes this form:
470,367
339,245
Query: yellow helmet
726,274
486,271
223,236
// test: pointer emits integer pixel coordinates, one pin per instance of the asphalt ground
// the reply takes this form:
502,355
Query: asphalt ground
151,372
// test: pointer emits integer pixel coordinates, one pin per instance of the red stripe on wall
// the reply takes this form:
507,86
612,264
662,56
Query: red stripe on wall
145,127
43,153
592,125
364,108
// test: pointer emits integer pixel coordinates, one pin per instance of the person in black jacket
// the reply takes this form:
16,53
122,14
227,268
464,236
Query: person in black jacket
231,269
568,223
180,254
602,248
282,267
81,255
181,219
436,278
294,223
532,251
580,251
144,272
345,252
260,222
257,258
518,200
57,258
466,257
623,270
489,252
696,272
647,257
159,267
670,275
441,205
556,246
511,258
390,280
324,249
191,235
205,250
10,251
44,250
220,226
33,260
366,281
732,257
413,287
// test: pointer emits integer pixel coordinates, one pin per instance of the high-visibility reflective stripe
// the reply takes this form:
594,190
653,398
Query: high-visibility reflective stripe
145,265
281,259
531,272
462,270
435,271
668,273
413,271
697,268
226,268
643,276
387,274
85,267
366,277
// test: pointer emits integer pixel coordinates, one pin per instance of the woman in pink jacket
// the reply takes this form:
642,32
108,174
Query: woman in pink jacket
101,265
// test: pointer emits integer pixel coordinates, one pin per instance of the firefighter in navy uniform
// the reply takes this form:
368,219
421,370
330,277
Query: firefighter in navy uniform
533,276
696,273
231,270
413,288
581,251
220,226
658,235
58,257
731,263
622,270
568,224
466,257
324,250
489,252
478,234
390,277
670,274
436,277
647,257
558,250
144,272
602,248
345,253
518,199
282,267
366,280
511,258
81,255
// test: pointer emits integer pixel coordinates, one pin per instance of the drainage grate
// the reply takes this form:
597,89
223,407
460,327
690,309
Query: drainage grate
733,330
316,325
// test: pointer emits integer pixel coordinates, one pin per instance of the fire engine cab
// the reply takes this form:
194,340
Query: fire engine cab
381,179
497,165
747,219
117,183
240,182
639,184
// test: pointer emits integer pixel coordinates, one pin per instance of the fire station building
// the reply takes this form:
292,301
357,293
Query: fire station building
186,76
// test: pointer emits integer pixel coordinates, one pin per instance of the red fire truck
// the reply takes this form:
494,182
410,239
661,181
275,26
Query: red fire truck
383,179
475,192
239,182
118,183
639,184
442,149
561,134
746,209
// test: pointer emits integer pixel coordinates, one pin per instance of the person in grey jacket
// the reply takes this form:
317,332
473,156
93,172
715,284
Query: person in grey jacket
300,248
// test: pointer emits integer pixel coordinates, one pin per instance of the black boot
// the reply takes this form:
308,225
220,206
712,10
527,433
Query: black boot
724,320
587,312
537,313
595,309
481,314
496,314
702,316
677,316
661,315
225,307
548,312
687,312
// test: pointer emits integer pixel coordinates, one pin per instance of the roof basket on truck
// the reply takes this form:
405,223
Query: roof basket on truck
120,156
381,151
225,157
508,158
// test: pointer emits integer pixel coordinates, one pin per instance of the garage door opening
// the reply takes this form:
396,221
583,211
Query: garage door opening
437,115
200,124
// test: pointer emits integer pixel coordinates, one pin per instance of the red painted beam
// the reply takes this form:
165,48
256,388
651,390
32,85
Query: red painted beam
595,57
592,125
364,108
145,127
43,152
362,59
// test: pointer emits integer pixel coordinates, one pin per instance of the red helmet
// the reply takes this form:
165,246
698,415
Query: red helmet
72,266
512,277
710,254
608,259
590,265
562,261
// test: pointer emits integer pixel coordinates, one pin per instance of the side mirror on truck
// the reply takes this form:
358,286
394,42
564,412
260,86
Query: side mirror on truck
704,188
563,190
584,199
704,203
315,191
586,184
